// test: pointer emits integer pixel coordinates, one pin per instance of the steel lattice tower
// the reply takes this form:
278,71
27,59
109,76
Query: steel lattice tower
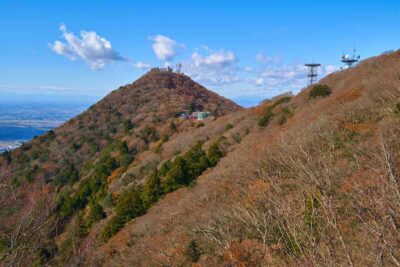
312,72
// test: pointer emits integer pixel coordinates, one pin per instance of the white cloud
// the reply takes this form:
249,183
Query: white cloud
165,48
326,70
63,49
34,87
262,58
212,67
95,50
283,78
248,69
260,81
218,59
141,65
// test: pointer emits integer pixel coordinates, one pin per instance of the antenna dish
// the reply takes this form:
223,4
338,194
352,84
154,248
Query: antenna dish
350,61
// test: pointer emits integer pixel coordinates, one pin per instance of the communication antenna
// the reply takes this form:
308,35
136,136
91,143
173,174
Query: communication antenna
350,61
178,67
312,72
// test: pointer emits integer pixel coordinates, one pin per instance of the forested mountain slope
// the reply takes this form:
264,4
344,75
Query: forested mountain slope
309,180
79,170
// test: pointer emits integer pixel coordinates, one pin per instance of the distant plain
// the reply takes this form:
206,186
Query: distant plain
20,122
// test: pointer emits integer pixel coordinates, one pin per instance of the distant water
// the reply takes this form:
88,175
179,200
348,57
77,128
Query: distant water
21,121
12,133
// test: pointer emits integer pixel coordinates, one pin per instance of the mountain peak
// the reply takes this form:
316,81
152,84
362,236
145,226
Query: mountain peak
164,91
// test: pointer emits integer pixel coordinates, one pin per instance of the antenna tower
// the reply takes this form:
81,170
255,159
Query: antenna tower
350,61
312,72
178,67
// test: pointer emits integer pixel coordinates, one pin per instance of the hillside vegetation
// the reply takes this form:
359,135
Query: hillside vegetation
305,180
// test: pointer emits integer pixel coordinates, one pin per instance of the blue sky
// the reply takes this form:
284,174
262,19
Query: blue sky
244,50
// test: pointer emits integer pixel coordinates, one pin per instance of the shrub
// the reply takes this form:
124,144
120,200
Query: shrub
191,108
128,125
30,173
67,175
320,90
96,213
200,124
165,138
268,114
4,245
397,108
125,160
80,228
108,201
149,134
264,120
129,206
165,167
214,153
193,252
75,146
152,189
228,127
282,120
7,156
177,175
46,253
51,135
172,126
197,161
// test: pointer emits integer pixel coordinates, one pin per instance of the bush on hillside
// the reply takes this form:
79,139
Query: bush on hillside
181,172
4,245
67,175
193,252
191,108
320,90
128,125
228,127
96,213
397,109
149,134
30,173
177,175
129,206
268,113
93,188
214,153
152,189
165,167
7,156
200,124
264,120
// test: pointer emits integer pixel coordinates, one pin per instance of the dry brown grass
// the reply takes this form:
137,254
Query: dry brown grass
321,189
340,150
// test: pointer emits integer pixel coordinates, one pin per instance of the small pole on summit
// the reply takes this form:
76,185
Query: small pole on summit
178,67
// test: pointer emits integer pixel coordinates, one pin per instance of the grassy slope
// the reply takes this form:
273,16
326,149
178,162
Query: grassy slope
320,189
